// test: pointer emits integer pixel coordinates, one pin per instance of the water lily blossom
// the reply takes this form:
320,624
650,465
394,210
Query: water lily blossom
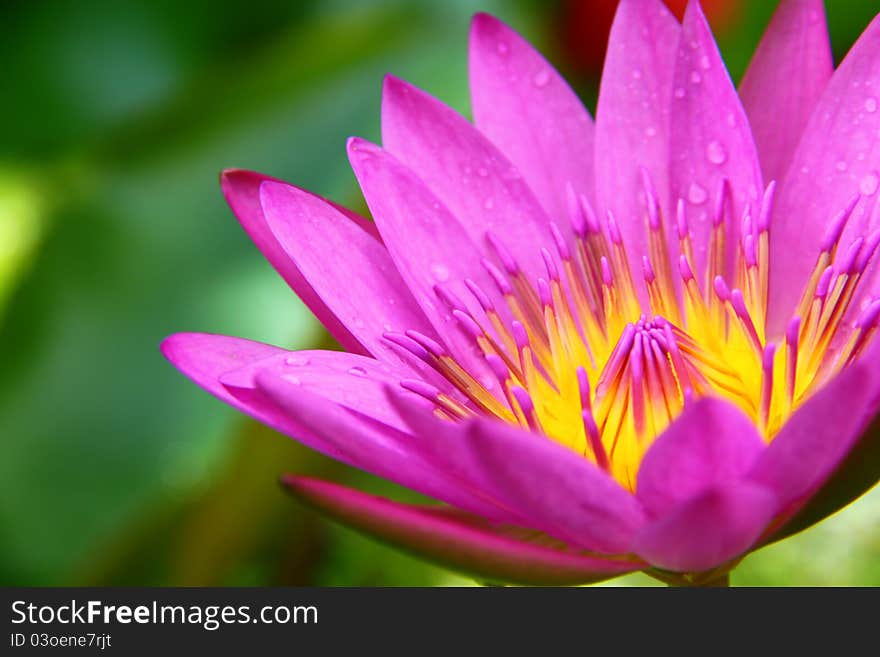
643,342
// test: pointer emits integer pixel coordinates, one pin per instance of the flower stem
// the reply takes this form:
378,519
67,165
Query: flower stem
722,581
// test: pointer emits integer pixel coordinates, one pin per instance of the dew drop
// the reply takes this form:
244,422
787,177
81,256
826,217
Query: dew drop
871,104
731,120
358,323
840,166
637,74
697,194
482,172
296,360
541,78
650,131
715,152
704,63
869,184
695,77
502,48
292,379
441,272
489,203
679,92
357,371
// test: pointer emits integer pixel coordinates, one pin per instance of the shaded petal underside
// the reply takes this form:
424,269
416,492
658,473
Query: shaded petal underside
459,541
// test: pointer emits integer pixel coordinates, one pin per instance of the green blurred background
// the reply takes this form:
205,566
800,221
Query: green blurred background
116,119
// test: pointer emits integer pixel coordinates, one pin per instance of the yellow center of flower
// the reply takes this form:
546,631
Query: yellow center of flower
588,362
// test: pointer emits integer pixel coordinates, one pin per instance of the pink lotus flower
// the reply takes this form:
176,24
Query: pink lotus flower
642,343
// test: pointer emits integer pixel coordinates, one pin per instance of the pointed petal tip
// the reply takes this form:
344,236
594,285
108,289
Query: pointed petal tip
184,349
299,485
394,86
271,191
171,345
360,146
239,185
485,26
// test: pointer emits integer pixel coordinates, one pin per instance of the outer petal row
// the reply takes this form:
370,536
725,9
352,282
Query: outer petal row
838,156
465,543
785,79
708,477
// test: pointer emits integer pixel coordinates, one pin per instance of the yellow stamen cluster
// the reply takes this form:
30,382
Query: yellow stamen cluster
601,365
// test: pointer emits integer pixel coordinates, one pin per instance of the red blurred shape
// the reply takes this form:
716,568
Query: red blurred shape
585,25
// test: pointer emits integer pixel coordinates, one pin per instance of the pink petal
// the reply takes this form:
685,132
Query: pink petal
466,173
632,116
707,530
349,269
817,438
526,109
427,244
204,358
710,138
838,156
785,79
370,445
557,490
712,443
448,445
242,192
455,540
355,382
540,483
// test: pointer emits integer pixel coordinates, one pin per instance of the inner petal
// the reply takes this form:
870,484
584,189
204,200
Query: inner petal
579,359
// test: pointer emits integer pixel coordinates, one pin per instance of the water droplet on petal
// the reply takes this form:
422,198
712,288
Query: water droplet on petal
296,360
679,92
357,371
871,105
358,323
482,172
697,194
541,78
840,166
489,203
502,48
704,63
715,152
441,272
650,131
292,379
695,77
637,74
869,184
731,120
